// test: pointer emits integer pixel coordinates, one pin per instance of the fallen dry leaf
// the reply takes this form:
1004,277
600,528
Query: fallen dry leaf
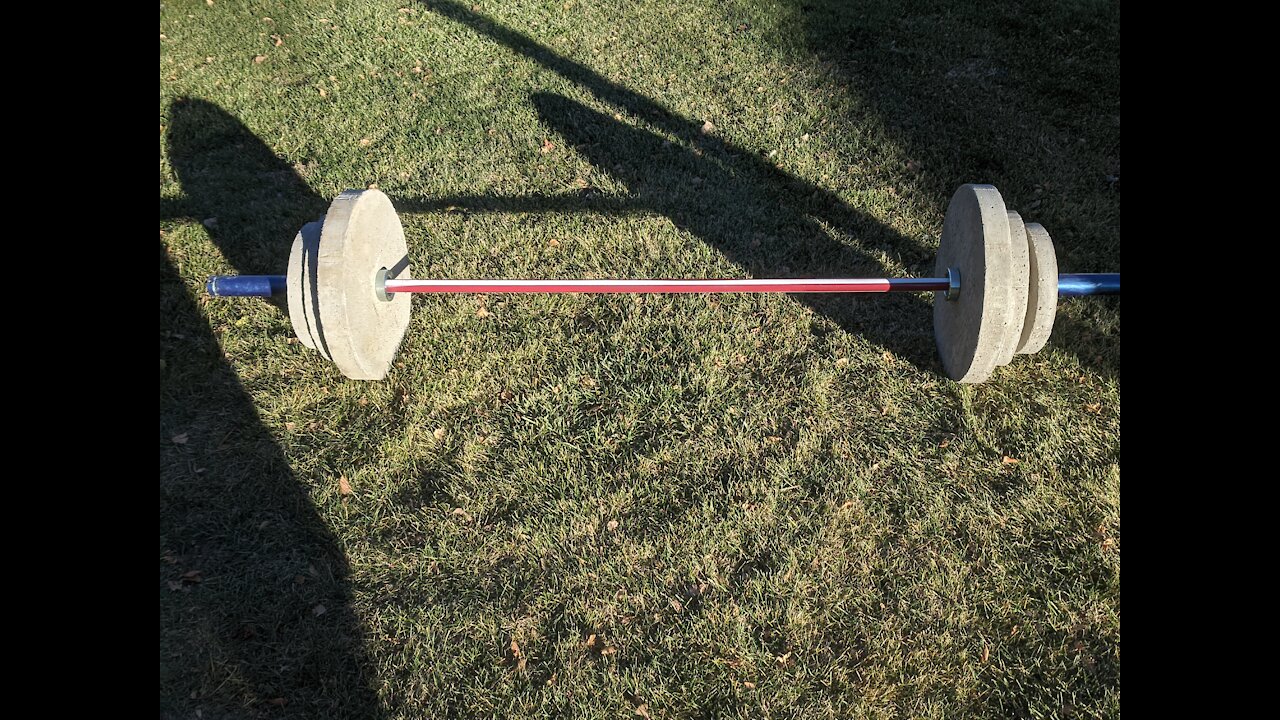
278,702
482,313
459,512
344,486
591,641
364,142
1010,461
842,362
1094,407
587,381
439,433
782,659
259,59
677,605
610,650
748,685
323,93
180,439
1108,543
642,710
319,610
707,126
193,576
547,146
553,243
515,649
986,654
175,585
290,426
279,40
612,525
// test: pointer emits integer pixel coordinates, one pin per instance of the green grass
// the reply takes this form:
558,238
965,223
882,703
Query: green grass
760,506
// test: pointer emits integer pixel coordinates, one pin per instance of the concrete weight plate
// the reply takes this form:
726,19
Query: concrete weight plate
1019,284
972,330
304,302
1042,304
360,237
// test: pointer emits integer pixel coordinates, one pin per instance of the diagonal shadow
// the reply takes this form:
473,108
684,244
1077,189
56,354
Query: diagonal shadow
745,218
816,200
249,638
760,217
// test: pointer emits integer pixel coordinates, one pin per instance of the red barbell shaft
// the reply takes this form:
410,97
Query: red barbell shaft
751,285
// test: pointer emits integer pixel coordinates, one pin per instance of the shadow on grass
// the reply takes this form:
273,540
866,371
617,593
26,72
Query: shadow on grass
267,629
760,217
748,220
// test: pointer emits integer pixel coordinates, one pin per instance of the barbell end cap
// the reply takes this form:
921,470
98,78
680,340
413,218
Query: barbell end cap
380,285
953,284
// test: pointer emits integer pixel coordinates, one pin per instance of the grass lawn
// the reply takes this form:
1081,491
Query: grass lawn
624,506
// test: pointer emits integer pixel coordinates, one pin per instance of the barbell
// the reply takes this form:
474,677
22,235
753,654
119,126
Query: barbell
996,282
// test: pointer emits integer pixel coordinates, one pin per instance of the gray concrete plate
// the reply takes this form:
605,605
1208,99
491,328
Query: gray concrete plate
1042,305
361,236
971,331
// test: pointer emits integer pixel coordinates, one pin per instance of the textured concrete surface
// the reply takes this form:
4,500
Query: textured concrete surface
360,236
971,331
1019,282
1042,304
304,303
